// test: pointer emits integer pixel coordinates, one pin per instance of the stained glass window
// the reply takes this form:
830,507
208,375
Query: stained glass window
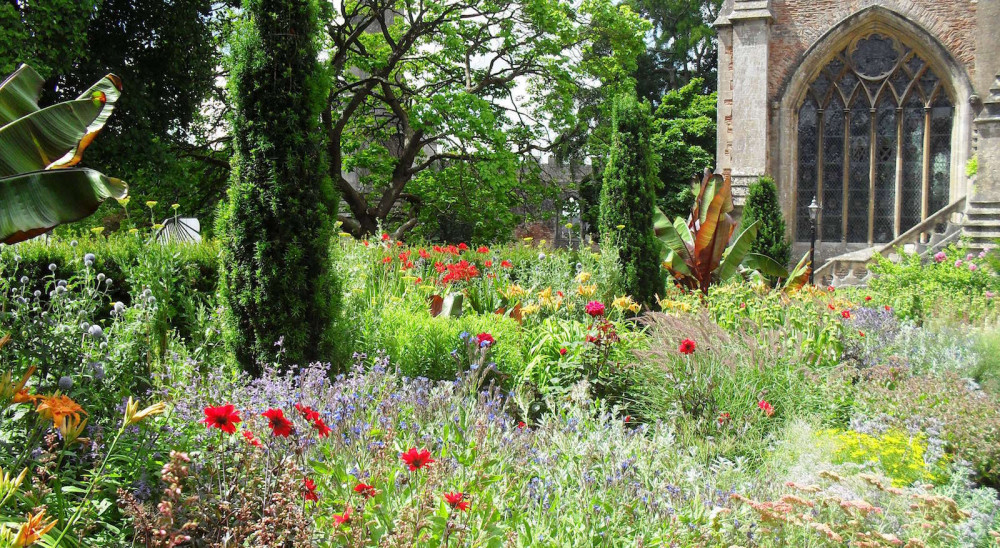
876,122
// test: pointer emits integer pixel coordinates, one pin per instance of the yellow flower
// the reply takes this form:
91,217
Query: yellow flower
71,428
586,290
529,309
133,231
344,235
541,242
151,204
97,230
175,207
623,303
33,529
619,227
9,484
583,277
124,201
513,290
528,238
58,406
133,416
569,226
157,226
16,392
338,224
635,307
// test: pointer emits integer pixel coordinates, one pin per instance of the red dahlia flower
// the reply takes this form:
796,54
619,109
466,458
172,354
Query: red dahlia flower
595,308
506,264
385,237
365,490
687,347
485,338
456,500
309,413
322,429
521,424
846,314
417,459
223,417
280,426
310,490
340,519
766,407
251,439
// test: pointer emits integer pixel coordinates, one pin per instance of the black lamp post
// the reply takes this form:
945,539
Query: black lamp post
813,211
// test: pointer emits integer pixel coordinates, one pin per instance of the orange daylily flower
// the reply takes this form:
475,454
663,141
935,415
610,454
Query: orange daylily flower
58,406
33,529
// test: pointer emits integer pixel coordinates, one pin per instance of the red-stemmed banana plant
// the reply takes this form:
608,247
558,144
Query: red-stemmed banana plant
41,186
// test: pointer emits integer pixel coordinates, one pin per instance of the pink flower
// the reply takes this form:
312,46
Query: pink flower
595,308
972,267
969,257
940,257
990,295
982,254
958,263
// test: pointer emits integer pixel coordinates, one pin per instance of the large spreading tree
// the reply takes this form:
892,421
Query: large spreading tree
277,224
458,94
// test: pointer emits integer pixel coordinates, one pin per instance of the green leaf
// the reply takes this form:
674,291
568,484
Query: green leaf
736,252
765,265
37,201
19,94
672,239
107,91
800,274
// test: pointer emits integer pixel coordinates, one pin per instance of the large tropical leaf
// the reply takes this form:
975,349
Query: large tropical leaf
33,203
799,276
19,94
736,252
676,265
56,136
765,265
107,90
675,238
713,236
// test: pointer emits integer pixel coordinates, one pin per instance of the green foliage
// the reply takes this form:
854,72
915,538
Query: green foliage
277,226
972,167
627,197
762,205
168,54
39,186
684,136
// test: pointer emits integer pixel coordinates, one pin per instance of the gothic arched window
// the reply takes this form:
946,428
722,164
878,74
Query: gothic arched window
874,143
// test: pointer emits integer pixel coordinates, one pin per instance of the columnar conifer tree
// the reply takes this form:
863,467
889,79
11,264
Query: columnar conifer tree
628,197
277,224
762,205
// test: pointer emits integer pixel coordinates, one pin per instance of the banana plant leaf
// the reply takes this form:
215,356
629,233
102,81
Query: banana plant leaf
56,136
674,237
19,94
35,202
713,235
765,265
737,252
799,276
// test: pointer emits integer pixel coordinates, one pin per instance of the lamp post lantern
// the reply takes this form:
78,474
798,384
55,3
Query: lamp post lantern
813,212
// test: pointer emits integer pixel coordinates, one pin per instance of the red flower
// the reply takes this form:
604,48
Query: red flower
888,308
438,249
562,351
868,298
439,266
831,307
340,519
310,490
488,264
485,338
723,418
595,308
846,314
520,424
251,439
365,242
416,459
483,249
628,419
223,417
387,260
307,412
280,426
322,429
767,408
385,237
404,256
463,247
460,271
418,280
506,264
687,347
455,500
862,333
423,253
830,288
365,490
592,339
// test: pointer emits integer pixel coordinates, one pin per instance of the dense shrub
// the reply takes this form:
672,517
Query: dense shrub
762,205
278,222
627,200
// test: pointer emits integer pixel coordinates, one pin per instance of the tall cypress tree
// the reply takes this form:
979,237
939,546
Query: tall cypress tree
277,224
628,197
762,205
